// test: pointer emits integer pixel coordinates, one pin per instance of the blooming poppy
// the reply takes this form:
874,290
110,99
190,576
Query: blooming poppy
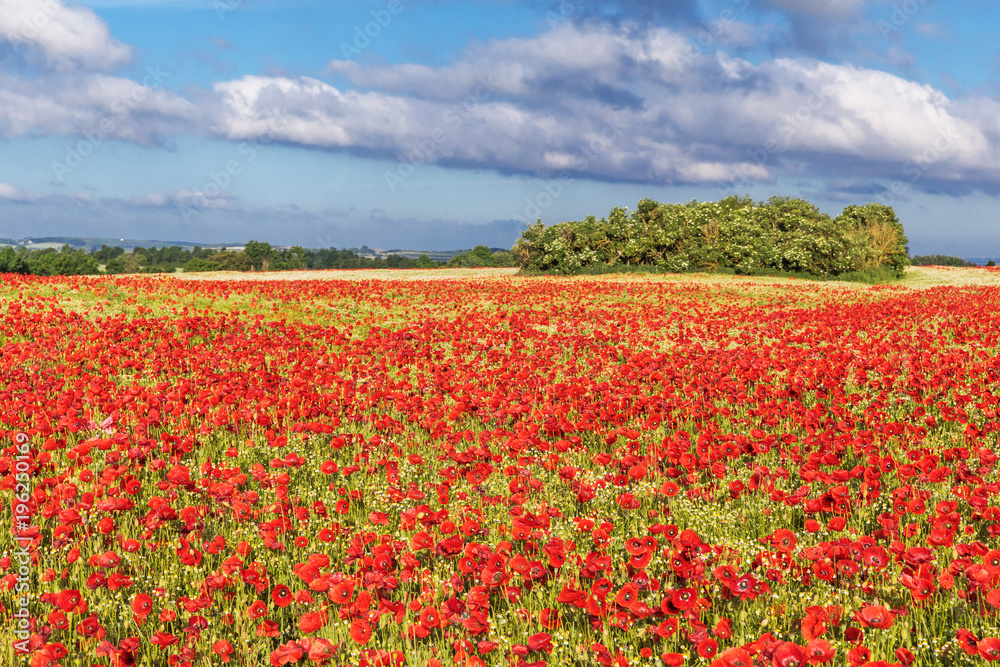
342,592
361,631
875,616
281,595
736,657
141,605
311,621
788,654
819,651
223,649
707,648
989,648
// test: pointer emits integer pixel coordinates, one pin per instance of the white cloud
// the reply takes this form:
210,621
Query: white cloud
11,193
94,106
67,37
616,103
931,30
668,114
216,200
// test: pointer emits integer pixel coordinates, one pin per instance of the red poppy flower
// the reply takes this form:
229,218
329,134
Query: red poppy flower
627,596
341,593
257,609
789,654
311,622
549,618
163,640
875,557
223,649
421,540
281,595
91,627
989,648
707,648
684,598
875,616
819,651
361,631
429,617
736,657
142,604
784,540
541,641
68,599
268,628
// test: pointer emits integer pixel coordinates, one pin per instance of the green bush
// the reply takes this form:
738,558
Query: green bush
735,235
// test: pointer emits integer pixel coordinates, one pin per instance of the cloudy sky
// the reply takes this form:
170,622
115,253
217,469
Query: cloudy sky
441,124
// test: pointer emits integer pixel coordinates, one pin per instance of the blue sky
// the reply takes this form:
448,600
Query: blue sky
442,124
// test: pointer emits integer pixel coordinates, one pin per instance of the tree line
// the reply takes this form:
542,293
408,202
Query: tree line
944,260
254,256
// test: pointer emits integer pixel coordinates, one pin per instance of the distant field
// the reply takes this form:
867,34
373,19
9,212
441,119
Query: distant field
916,276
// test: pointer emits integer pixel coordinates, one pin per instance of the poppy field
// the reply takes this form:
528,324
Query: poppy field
498,471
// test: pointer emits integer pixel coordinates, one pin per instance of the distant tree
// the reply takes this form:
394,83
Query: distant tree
107,253
11,262
291,259
260,254
133,261
231,261
66,262
483,256
115,265
504,258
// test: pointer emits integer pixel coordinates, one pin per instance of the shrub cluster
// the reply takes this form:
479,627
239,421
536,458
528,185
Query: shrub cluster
735,234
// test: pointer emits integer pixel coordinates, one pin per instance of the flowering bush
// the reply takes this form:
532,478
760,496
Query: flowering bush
783,234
